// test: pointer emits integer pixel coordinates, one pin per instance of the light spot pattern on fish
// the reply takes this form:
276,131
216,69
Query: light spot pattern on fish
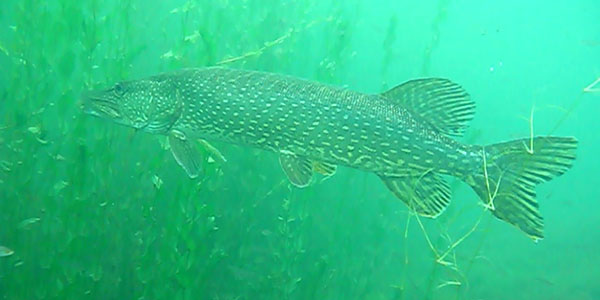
404,135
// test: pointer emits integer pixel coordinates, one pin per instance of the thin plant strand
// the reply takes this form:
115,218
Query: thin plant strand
592,87
530,148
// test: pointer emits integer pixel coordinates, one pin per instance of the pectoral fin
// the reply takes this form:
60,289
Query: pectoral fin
186,154
428,194
297,169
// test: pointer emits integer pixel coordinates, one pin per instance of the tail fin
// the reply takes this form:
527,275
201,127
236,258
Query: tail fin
511,170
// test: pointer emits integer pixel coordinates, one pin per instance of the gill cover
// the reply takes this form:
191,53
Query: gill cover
164,106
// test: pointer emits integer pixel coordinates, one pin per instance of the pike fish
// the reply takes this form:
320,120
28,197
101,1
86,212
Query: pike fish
406,135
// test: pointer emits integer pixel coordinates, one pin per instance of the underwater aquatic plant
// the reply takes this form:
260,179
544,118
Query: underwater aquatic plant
592,87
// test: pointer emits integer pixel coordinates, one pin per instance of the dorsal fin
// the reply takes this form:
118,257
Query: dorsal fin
443,104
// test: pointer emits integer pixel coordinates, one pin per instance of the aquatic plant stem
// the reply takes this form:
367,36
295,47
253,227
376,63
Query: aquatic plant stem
258,51
426,235
592,87
490,204
461,239
568,112
530,148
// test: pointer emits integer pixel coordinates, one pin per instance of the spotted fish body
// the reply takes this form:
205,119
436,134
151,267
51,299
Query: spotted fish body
403,135
308,119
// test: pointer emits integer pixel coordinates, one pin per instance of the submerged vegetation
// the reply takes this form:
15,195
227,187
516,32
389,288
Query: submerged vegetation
592,87
92,210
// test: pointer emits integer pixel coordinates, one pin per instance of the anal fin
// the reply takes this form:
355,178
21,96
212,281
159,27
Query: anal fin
428,195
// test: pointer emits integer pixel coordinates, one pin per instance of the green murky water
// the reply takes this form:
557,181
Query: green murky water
91,210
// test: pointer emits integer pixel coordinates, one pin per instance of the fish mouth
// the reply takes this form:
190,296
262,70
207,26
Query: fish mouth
96,104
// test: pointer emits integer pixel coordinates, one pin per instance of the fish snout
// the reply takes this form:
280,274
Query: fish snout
97,103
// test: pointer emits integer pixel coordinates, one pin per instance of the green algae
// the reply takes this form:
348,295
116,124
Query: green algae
92,210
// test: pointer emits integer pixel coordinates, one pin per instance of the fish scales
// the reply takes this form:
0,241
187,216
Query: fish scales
404,135
283,113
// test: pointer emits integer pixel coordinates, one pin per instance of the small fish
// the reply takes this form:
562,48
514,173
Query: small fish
4,251
405,135
27,222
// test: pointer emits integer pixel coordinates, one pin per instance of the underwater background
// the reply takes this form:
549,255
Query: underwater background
92,210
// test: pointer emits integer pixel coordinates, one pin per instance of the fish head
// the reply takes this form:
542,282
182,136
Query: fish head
150,104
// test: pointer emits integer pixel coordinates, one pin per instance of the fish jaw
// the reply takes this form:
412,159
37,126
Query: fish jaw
96,103
103,105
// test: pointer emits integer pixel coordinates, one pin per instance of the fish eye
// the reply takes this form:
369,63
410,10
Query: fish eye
119,90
